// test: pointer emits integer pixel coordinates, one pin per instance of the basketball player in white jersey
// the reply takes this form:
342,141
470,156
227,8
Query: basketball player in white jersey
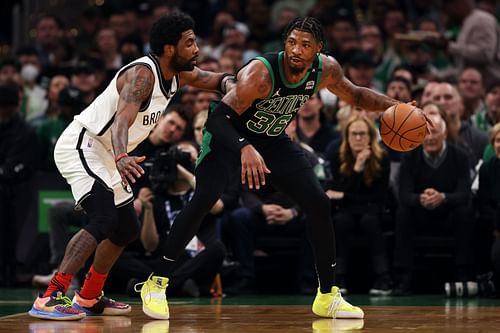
92,155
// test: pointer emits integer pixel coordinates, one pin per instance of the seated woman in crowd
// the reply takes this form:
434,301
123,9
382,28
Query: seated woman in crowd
360,180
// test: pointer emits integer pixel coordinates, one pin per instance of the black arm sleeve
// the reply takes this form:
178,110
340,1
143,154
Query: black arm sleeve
219,124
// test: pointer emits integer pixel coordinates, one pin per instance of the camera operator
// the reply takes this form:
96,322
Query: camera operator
168,131
172,184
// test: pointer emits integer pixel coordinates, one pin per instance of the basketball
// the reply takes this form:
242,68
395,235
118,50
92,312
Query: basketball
403,127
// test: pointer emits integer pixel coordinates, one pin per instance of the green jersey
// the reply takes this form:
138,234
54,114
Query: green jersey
270,116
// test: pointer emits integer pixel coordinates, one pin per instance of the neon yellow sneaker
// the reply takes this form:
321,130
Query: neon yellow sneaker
332,305
154,300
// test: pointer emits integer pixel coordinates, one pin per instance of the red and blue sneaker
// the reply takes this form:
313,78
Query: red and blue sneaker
57,306
100,306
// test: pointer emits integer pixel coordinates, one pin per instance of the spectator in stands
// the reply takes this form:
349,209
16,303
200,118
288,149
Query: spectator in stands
435,199
420,57
399,88
203,99
478,41
131,48
107,45
235,53
70,103
198,124
489,208
360,179
405,71
121,24
361,70
310,126
488,116
341,30
470,86
17,160
84,78
9,72
48,33
372,43
234,35
428,92
202,260
227,65
470,138
210,64
57,83
35,102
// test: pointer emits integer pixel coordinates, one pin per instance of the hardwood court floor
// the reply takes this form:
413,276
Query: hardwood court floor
227,316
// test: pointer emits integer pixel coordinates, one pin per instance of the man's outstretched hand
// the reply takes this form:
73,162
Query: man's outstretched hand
253,167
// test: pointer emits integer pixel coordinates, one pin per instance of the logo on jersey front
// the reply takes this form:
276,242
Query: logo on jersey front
273,115
309,85
277,93
282,105
151,118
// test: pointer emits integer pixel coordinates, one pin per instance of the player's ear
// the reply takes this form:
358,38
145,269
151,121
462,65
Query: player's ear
168,50
320,47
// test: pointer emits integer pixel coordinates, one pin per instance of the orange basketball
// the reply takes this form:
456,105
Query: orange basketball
402,127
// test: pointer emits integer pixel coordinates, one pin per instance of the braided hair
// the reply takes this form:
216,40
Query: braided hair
306,24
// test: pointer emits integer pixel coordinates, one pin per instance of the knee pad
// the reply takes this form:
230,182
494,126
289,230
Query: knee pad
127,228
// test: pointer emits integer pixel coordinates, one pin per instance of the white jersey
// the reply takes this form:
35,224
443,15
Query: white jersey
98,116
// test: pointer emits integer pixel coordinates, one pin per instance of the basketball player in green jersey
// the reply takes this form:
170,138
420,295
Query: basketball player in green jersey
247,129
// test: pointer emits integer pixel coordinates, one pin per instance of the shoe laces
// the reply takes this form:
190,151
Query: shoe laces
66,301
138,285
336,301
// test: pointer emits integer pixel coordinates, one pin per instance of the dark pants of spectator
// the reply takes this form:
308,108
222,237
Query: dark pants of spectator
495,256
347,223
246,224
202,269
456,222
8,236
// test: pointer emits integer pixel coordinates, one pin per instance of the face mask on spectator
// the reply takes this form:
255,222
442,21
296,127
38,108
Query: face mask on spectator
29,72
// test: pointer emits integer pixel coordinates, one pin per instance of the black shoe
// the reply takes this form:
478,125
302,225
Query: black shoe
382,286
244,287
403,287
129,289
190,289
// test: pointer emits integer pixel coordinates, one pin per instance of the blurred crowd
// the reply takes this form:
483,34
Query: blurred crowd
444,55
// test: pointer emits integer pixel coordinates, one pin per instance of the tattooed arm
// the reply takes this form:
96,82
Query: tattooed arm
253,82
334,80
134,87
204,79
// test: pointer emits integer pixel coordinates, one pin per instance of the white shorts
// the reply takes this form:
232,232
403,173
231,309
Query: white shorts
82,159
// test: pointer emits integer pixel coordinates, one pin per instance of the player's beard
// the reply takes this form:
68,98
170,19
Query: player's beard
296,70
180,64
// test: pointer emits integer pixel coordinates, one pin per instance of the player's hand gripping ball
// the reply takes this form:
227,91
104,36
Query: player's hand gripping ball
403,127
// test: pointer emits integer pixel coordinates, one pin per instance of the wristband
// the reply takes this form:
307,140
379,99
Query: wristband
120,156
223,82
